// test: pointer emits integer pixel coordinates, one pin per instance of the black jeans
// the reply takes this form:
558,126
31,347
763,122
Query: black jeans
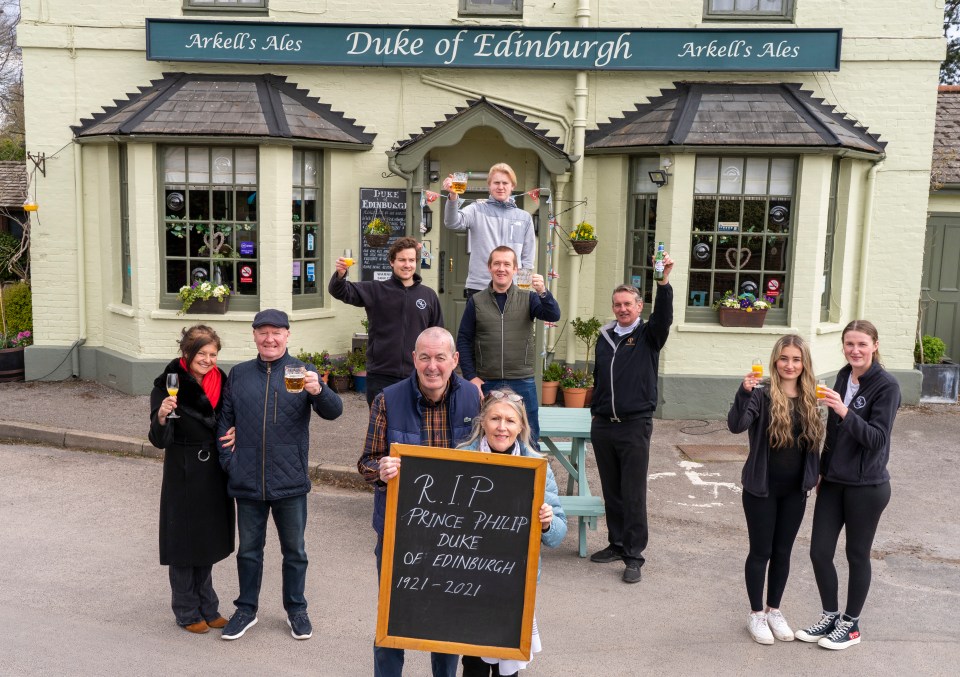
772,524
623,457
192,595
474,666
858,509
376,383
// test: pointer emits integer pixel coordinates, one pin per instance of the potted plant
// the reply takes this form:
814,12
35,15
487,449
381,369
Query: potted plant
16,324
204,297
319,361
940,376
377,232
583,239
588,331
574,384
357,362
550,383
745,310
339,375
11,355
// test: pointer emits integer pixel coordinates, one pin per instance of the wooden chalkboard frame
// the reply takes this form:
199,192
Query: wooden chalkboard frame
520,649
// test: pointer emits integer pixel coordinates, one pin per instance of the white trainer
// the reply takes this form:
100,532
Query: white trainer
778,626
758,628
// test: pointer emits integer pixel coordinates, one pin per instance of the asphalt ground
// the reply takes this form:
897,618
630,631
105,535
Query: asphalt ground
81,590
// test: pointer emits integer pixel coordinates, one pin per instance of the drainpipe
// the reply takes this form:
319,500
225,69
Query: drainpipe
395,168
81,260
580,92
865,237
552,283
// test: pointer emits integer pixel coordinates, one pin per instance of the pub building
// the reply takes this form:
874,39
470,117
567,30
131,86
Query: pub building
777,147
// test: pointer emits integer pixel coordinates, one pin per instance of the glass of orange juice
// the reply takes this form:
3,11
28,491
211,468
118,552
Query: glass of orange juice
348,257
757,369
821,385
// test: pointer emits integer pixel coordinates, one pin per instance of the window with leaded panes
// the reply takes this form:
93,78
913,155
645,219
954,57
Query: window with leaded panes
828,286
642,229
210,225
126,270
225,5
749,10
743,215
492,7
307,236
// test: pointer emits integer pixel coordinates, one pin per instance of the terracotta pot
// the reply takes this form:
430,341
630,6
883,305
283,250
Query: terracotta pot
548,392
737,317
210,307
583,246
11,364
574,397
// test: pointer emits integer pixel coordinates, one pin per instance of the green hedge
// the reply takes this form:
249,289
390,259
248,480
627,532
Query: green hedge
8,245
18,308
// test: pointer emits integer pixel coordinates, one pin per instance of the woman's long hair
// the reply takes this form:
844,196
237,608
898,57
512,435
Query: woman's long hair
781,417
506,398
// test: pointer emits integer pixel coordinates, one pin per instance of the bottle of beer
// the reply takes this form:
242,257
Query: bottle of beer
658,263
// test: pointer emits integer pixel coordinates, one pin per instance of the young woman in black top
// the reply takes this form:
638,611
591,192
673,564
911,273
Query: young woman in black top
785,433
855,485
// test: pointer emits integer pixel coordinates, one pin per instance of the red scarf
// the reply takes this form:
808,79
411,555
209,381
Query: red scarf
210,383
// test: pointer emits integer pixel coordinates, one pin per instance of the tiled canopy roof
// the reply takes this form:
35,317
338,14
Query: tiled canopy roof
187,104
13,184
946,139
508,114
727,114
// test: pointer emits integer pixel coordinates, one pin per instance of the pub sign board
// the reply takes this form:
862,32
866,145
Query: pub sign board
461,546
606,49
389,204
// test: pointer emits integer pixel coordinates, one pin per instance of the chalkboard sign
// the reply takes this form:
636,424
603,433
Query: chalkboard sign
389,204
460,552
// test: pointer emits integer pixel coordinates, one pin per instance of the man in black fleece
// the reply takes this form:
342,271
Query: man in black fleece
624,399
398,308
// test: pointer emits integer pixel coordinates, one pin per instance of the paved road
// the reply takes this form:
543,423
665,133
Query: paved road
81,592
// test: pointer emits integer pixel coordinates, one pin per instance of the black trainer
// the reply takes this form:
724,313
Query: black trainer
821,628
300,626
607,555
846,632
632,573
239,623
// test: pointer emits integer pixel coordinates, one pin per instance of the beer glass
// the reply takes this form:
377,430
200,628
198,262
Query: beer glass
459,183
523,277
173,387
294,378
347,258
757,369
821,384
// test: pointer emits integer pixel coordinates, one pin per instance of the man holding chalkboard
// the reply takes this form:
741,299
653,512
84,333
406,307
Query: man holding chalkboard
435,408
398,309
624,399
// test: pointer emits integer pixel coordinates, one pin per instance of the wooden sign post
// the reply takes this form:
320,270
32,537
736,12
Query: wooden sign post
461,545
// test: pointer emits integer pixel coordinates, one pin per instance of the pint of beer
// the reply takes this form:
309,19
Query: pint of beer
294,378
459,183
821,384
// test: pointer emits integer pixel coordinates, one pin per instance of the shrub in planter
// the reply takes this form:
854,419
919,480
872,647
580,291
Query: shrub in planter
933,350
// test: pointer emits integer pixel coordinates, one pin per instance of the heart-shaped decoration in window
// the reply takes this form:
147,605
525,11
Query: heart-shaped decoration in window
214,242
738,258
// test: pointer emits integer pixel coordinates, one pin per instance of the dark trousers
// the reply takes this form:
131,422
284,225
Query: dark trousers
192,595
474,666
290,518
772,524
858,509
622,451
388,662
377,382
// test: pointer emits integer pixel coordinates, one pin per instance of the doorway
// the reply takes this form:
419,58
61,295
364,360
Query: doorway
940,284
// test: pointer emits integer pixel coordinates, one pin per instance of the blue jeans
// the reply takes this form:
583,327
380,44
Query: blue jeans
290,518
388,662
527,389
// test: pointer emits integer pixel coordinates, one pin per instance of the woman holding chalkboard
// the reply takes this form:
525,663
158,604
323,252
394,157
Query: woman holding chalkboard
502,427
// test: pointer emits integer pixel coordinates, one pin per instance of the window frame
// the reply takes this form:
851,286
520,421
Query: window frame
786,14
471,8
314,299
639,224
226,6
126,269
778,314
240,302
829,248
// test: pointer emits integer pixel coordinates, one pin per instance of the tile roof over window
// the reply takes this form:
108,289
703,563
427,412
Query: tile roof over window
187,104
728,114
946,137
13,184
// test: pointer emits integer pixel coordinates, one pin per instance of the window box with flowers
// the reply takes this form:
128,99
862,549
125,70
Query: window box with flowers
583,238
204,297
744,310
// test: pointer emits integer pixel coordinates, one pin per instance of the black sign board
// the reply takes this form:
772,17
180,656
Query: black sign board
460,552
390,204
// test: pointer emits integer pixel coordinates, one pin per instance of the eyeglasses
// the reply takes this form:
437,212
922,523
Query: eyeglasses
500,395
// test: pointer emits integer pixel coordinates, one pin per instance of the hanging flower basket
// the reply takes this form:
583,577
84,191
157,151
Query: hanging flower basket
738,317
583,246
377,232
376,239
583,238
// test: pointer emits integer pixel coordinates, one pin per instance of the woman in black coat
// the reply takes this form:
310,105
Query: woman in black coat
196,515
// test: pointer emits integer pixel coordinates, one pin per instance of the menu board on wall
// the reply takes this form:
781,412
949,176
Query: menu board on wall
389,204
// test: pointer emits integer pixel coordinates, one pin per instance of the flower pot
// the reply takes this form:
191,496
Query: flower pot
588,400
209,307
738,317
376,239
340,383
574,397
583,246
360,382
11,364
548,392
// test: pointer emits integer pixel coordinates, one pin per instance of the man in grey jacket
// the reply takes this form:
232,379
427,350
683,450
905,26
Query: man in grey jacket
267,468
491,223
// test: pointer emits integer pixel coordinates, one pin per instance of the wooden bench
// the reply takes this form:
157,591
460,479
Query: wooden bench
587,509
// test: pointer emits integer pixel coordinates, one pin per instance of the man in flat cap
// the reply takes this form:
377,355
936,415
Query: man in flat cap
268,467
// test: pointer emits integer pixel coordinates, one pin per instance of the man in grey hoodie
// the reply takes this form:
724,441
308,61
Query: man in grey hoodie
491,223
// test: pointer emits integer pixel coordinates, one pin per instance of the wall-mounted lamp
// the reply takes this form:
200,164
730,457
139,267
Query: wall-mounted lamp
659,177
426,220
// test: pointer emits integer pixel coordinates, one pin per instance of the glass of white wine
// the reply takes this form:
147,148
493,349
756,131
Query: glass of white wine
173,387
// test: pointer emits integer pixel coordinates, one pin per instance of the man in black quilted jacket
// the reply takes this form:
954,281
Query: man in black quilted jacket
268,468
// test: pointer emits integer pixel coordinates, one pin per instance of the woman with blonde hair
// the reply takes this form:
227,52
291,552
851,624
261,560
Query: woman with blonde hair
785,431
